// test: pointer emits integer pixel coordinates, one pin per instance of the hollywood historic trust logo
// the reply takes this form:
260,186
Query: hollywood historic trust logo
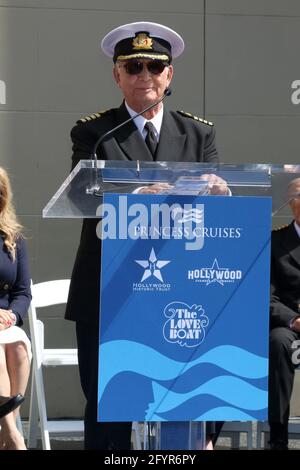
152,267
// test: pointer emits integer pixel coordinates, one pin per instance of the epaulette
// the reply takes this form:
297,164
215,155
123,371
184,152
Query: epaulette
91,117
280,228
183,113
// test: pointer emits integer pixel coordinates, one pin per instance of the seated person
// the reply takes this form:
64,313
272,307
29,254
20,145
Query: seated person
15,297
284,319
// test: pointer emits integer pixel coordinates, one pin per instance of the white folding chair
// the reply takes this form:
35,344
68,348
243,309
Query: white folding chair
233,429
136,435
45,294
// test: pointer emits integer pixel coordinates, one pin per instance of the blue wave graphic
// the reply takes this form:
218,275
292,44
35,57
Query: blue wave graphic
200,405
231,390
128,356
195,408
228,414
200,374
237,361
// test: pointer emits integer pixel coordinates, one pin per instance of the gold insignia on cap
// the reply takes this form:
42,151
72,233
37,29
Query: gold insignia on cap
142,41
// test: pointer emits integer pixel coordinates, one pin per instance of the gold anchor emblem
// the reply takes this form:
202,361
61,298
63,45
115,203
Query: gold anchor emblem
142,41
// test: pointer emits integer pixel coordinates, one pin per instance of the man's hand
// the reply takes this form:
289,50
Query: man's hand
155,188
216,185
296,325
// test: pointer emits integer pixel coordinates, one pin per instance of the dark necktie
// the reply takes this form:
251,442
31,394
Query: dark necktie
151,139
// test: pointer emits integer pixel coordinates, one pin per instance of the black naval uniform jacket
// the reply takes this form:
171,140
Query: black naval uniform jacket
285,276
183,137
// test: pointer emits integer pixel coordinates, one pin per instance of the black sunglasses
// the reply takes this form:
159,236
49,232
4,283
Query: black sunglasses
135,67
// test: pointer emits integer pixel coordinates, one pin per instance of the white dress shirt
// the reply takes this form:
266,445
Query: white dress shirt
140,122
297,228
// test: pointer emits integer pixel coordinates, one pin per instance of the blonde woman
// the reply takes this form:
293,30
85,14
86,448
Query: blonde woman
15,296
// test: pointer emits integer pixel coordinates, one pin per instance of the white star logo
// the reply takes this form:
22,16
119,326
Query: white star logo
152,266
213,270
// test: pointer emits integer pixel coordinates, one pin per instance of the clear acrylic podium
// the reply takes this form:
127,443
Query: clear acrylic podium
81,194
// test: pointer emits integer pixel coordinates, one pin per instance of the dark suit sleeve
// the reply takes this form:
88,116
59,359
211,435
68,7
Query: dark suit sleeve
20,294
280,313
210,150
83,142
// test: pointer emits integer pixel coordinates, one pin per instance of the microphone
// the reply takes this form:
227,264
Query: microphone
94,188
293,196
167,92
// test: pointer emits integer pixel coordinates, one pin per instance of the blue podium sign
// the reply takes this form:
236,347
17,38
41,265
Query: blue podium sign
184,303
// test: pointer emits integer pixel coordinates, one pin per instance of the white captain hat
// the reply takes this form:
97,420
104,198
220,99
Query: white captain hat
142,39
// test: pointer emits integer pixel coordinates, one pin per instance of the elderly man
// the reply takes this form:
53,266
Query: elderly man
142,54
284,320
